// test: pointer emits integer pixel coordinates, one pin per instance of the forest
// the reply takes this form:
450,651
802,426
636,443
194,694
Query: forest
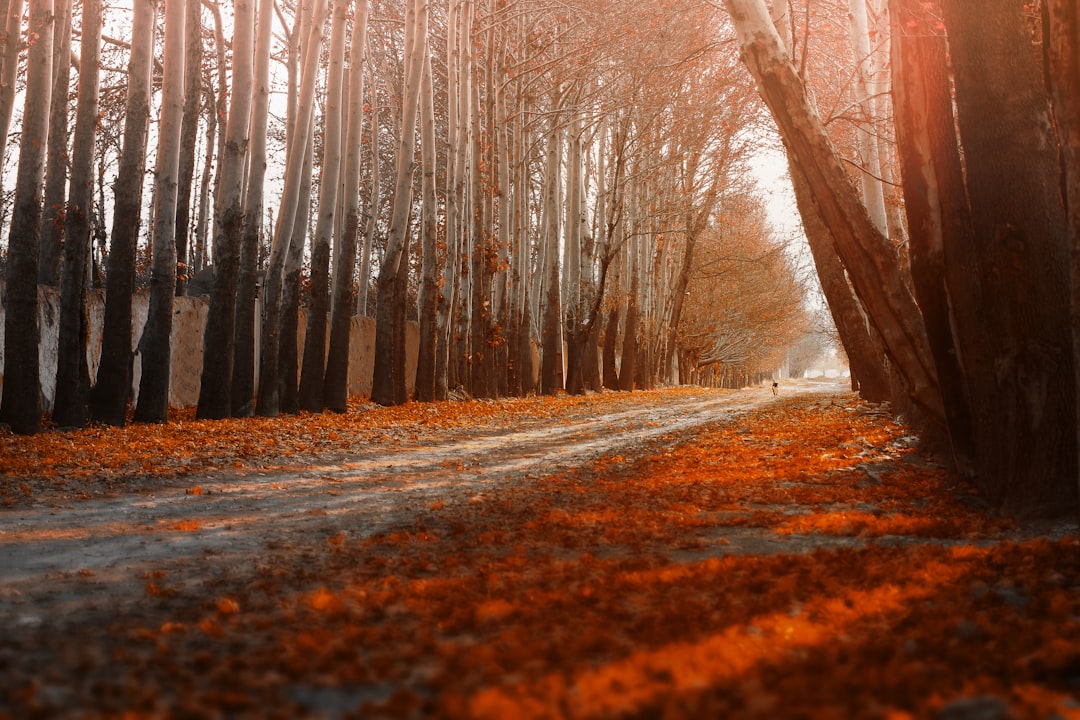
558,195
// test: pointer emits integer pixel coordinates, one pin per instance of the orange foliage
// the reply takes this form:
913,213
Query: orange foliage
801,560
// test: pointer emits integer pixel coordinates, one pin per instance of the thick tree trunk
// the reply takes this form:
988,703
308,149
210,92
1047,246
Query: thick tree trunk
215,393
871,261
1025,416
71,405
21,404
155,346
110,394
943,249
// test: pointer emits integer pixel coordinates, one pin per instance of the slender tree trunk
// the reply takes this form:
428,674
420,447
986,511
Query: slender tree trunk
429,288
21,404
288,354
242,398
110,394
269,399
8,73
391,291
314,366
56,173
336,382
153,405
70,408
189,133
215,394
551,364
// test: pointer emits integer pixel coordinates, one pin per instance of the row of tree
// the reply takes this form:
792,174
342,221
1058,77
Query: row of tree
975,302
511,175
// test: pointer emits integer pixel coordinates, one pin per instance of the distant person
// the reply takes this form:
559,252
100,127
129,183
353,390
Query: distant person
775,385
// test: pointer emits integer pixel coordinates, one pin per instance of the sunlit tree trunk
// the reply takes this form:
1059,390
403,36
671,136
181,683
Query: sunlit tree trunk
243,374
215,393
153,405
56,172
551,370
336,382
389,360
110,394
869,258
314,365
21,404
869,158
70,408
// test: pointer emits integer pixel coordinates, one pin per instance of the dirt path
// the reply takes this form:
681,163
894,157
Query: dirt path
102,550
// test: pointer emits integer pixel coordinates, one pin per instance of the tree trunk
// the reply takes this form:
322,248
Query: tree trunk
943,247
336,382
551,363
8,73
153,405
243,373
1025,416
21,404
870,260
189,133
288,353
314,365
429,288
391,292
269,400
52,225
110,394
70,408
215,394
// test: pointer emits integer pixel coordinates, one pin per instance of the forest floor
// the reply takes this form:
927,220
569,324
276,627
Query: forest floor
671,553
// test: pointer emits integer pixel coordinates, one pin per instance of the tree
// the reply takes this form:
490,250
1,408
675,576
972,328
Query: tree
268,403
110,394
215,392
314,365
189,132
72,375
155,348
335,389
388,380
21,403
56,172
243,371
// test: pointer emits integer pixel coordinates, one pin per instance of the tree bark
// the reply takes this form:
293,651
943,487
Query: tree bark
110,394
336,382
155,346
391,291
21,403
429,288
314,365
1025,416
70,408
52,226
189,133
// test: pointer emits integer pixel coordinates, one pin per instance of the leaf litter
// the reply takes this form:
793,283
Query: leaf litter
550,557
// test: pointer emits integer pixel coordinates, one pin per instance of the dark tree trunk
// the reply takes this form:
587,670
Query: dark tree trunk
628,367
1024,414
110,395
71,406
52,226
